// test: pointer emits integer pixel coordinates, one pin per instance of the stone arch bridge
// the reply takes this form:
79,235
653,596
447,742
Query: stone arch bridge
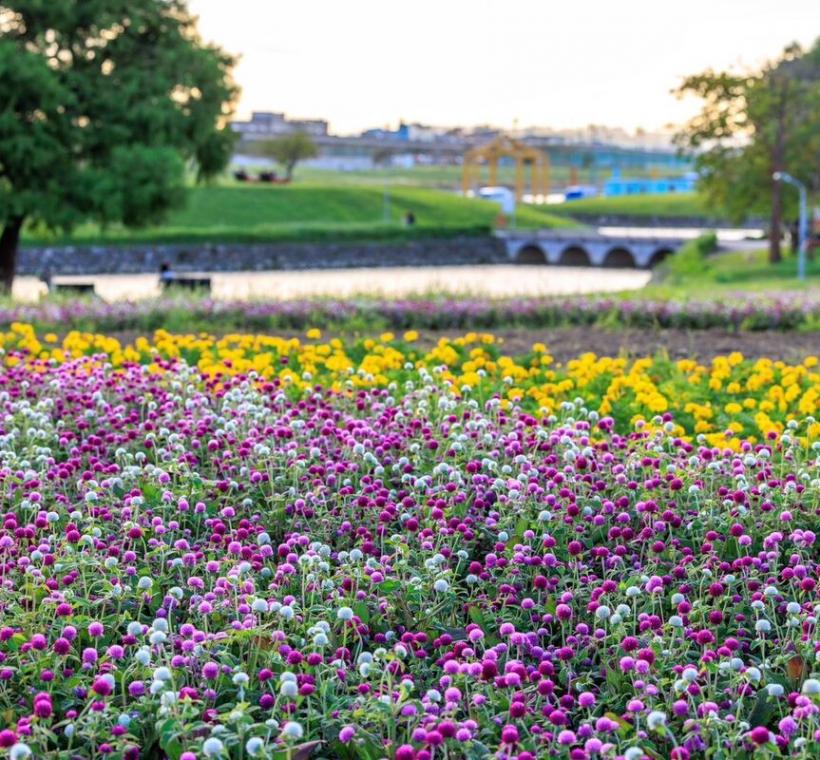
572,248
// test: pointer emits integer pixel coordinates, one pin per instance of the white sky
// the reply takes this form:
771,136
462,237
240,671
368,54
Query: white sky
556,63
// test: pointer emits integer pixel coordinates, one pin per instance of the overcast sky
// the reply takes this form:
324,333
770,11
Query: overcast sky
557,63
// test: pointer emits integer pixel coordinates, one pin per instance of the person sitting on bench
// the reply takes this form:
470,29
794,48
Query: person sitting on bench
166,274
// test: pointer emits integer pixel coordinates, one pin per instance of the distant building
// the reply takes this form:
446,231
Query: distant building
652,185
264,124
416,133
313,127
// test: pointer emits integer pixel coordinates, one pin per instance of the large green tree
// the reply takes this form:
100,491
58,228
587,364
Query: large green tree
104,107
752,125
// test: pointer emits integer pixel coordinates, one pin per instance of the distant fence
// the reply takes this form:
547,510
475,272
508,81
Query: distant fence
636,220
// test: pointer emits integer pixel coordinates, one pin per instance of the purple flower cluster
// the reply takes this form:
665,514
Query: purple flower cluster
201,566
759,311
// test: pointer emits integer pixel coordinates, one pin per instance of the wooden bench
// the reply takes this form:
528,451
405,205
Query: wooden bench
76,288
188,283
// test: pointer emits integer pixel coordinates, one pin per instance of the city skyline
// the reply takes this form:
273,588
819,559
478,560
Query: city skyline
471,63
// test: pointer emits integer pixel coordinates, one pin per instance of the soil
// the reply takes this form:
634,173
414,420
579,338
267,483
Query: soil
566,343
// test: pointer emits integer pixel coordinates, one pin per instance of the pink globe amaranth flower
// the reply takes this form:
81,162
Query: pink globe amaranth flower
760,735
566,737
210,670
586,699
95,629
42,707
509,734
102,686
405,752
346,734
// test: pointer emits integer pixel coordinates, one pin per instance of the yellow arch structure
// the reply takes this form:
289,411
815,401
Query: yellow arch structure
506,147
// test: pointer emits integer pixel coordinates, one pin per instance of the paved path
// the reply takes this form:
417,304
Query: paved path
492,281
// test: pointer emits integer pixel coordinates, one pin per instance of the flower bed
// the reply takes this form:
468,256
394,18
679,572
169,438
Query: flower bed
778,311
263,547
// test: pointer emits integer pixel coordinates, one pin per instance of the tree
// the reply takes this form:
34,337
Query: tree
288,150
752,125
104,105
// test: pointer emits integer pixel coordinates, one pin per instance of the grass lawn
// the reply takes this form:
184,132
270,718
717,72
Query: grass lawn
256,213
447,177
672,204
721,273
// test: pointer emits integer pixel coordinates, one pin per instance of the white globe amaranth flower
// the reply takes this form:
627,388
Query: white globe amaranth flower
19,751
289,689
811,687
293,730
656,720
213,747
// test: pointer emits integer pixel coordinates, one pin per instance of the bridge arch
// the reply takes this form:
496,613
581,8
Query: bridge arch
619,258
531,254
658,256
574,256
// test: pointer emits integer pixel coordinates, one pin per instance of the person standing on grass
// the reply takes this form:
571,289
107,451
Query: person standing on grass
45,278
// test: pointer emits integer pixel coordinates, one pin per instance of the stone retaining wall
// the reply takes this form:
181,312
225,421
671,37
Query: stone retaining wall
261,257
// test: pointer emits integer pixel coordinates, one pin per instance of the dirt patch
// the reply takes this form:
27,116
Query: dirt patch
565,343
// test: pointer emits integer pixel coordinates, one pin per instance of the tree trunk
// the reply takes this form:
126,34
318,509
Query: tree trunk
778,165
9,241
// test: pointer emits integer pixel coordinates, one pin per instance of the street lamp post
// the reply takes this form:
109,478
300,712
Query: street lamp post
803,231
386,203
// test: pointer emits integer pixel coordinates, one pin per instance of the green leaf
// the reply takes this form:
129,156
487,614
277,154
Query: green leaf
360,608
763,710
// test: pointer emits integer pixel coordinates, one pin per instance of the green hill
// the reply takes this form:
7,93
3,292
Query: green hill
260,213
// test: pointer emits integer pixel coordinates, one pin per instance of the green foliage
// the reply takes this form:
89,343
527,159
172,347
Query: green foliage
645,205
753,125
690,260
104,104
288,150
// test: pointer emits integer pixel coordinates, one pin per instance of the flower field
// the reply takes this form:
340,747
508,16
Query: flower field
292,548
744,310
